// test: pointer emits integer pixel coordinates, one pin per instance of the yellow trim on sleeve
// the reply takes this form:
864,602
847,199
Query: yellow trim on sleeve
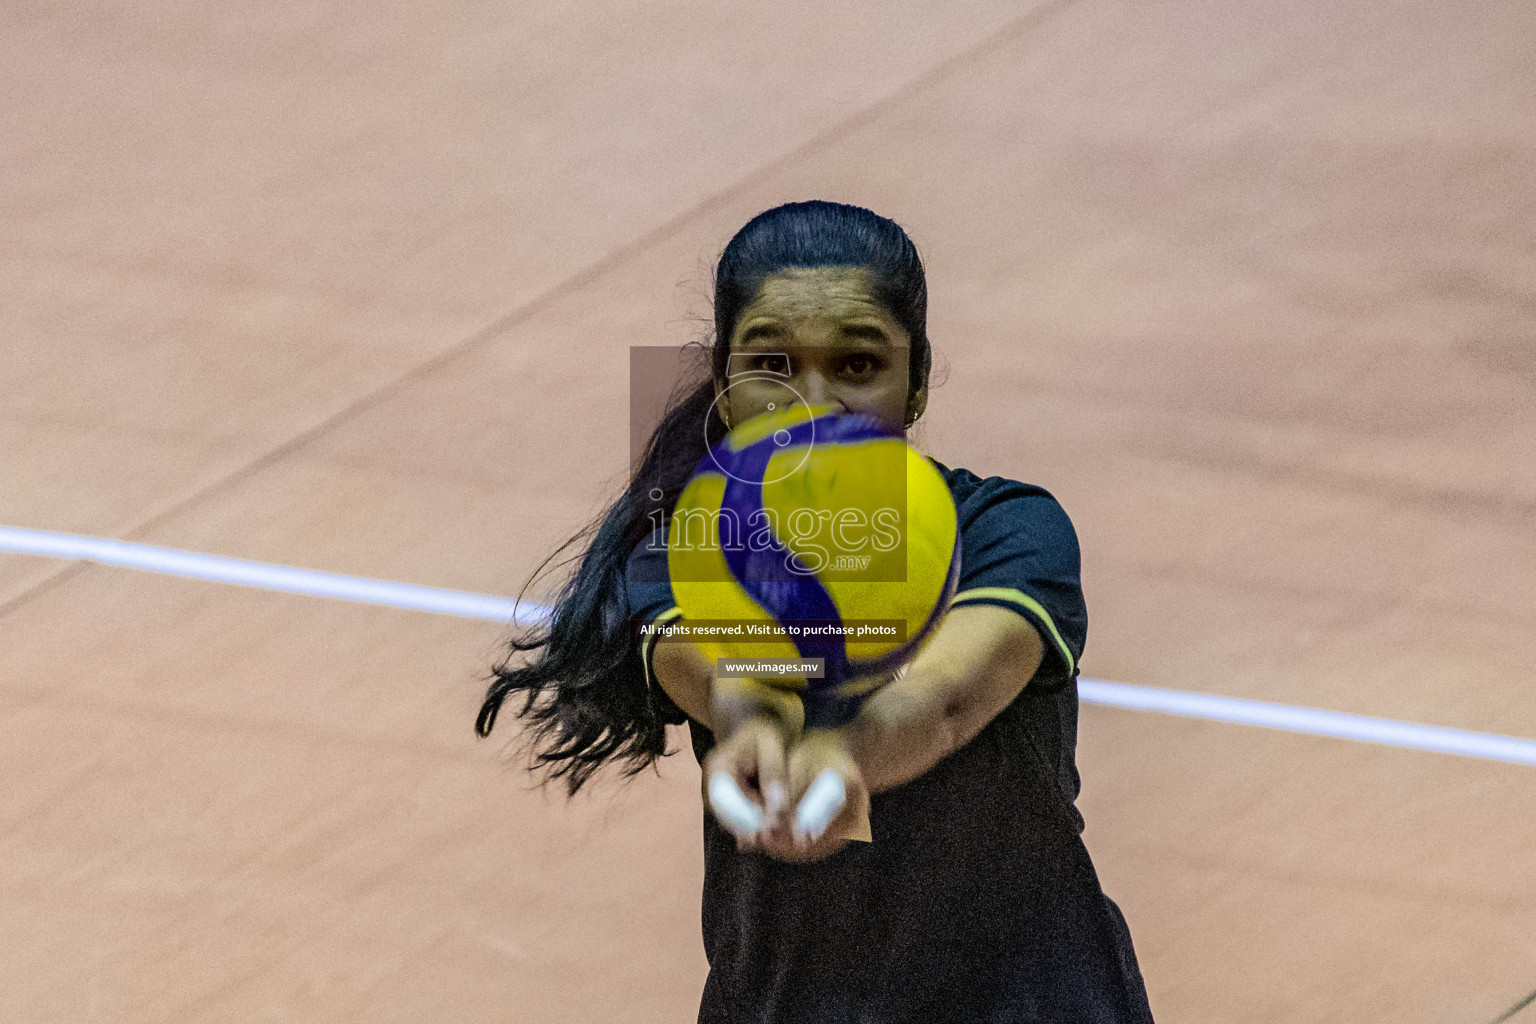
1022,600
650,641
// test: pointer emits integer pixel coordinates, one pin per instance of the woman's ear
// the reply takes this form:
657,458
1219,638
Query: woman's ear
720,409
916,404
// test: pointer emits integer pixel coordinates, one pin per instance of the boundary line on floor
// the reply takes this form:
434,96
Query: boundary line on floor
491,608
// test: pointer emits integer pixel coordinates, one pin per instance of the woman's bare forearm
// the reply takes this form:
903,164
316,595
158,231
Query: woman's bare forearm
977,662
721,706
897,737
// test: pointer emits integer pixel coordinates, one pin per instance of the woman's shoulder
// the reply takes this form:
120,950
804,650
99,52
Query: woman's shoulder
975,494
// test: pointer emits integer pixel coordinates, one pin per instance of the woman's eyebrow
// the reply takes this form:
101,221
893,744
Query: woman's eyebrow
866,332
765,330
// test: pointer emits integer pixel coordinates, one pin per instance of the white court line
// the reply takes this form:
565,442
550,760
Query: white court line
267,576
1310,720
310,582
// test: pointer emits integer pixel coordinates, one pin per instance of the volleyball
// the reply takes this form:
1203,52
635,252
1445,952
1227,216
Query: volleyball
808,534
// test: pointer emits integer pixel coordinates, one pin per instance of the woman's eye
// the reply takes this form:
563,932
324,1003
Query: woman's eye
773,364
860,365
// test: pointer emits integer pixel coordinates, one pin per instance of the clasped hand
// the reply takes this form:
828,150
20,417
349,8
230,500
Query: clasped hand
793,795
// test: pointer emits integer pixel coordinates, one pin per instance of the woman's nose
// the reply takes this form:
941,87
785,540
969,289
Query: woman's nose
816,388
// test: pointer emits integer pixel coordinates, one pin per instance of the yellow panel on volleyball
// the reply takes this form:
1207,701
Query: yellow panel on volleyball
877,523
765,425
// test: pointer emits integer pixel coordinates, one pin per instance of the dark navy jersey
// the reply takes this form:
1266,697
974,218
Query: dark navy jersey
976,900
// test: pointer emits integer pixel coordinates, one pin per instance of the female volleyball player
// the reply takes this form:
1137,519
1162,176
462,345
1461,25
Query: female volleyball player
976,900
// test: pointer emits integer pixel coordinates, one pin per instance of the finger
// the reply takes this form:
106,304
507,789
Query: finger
733,808
823,799
772,773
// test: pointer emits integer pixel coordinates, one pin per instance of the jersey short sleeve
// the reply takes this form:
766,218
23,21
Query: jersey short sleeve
1018,550
649,593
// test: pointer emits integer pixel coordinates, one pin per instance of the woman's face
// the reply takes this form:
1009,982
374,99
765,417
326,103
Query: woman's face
816,335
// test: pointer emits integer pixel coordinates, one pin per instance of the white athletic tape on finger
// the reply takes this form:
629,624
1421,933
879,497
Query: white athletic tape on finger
823,799
732,805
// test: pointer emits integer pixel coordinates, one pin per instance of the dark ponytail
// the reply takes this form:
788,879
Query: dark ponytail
585,697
